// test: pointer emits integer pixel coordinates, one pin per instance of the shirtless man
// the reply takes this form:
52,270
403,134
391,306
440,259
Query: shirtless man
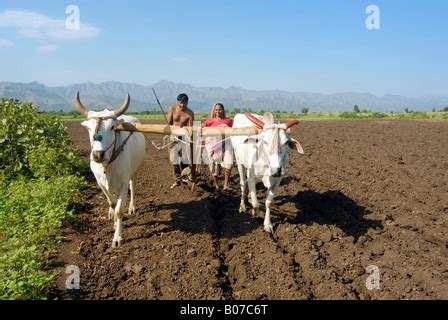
179,115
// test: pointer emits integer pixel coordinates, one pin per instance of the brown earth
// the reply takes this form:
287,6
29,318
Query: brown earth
365,193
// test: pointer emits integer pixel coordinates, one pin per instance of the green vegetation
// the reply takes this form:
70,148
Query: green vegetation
305,110
305,115
40,184
364,115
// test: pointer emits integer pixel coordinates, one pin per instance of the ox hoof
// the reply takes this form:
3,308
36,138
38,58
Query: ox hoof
131,210
269,229
243,209
117,243
254,212
110,215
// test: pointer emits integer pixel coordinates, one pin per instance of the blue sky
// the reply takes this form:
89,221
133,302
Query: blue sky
312,46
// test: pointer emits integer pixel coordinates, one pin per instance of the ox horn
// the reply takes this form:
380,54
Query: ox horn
254,119
123,107
81,109
291,123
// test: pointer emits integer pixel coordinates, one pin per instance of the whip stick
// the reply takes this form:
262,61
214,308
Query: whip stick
166,119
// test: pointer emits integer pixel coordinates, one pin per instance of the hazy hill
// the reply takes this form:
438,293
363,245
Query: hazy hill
111,94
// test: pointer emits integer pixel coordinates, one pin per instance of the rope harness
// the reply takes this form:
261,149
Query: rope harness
97,137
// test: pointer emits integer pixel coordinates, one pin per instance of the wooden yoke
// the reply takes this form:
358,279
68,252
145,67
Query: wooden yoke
176,130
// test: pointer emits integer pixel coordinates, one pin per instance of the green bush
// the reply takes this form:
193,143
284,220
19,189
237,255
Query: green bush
39,190
414,115
349,115
419,115
45,160
28,137
22,275
377,115
31,216
32,210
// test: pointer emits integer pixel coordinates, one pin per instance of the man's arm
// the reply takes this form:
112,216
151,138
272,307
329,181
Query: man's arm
191,113
170,116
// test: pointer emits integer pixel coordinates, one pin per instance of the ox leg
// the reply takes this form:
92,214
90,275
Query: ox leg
118,240
131,203
243,181
253,195
269,199
112,201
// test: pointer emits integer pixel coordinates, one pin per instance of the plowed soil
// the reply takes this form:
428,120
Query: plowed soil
366,193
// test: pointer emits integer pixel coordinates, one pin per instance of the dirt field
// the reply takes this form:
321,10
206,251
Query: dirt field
365,193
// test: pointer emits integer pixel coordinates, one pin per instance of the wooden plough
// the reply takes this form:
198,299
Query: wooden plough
194,136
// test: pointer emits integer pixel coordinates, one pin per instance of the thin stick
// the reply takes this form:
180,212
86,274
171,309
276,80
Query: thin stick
166,119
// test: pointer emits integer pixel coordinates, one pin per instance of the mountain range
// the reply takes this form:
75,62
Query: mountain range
111,94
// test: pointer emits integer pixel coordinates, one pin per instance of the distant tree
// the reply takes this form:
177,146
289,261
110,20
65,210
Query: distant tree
407,110
305,110
356,109
433,109
237,110
445,109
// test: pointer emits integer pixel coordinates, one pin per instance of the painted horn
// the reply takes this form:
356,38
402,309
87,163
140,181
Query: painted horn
254,119
123,107
81,109
291,123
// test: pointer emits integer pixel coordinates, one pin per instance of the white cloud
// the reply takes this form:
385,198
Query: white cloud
37,26
47,48
6,43
180,59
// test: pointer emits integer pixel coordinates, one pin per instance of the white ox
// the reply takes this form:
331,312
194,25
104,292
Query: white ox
262,157
114,159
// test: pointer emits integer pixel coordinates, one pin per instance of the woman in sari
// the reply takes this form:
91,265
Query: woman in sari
220,151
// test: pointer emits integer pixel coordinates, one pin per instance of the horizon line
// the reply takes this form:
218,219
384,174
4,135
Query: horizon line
232,86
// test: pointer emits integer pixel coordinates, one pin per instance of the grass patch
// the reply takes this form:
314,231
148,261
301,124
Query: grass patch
31,216
40,187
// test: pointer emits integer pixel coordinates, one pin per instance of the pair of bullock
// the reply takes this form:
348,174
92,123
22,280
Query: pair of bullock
116,155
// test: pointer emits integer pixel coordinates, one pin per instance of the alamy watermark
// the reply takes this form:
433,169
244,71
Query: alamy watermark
373,20
73,280
73,21
373,280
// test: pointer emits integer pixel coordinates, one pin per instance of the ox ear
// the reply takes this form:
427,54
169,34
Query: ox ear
268,119
85,123
295,145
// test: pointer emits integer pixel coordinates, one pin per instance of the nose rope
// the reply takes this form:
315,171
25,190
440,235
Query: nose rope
116,151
